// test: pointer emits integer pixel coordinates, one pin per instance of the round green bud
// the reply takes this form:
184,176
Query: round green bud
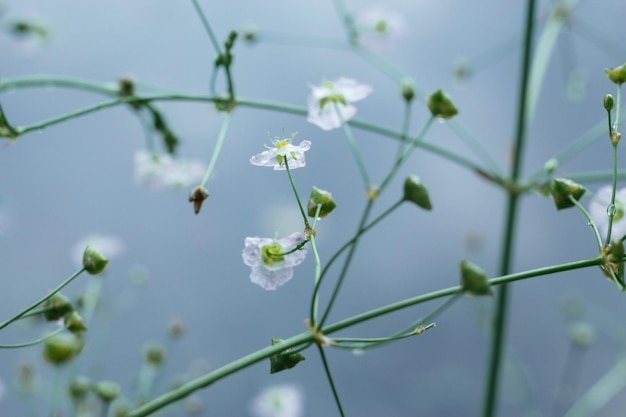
323,198
62,348
608,102
107,391
416,192
617,74
74,323
93,261
562,188
441,106
154,354
408,89
79,387
581,333
57,307
474,280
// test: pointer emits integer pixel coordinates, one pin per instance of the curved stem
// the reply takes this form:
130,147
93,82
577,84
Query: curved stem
307,337
218,148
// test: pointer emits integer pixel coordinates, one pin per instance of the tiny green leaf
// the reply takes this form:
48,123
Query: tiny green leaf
286,359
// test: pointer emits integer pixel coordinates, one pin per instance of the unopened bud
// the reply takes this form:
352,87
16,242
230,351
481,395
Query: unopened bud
474,280
57,307
608,102
93,261
408,88
561,189
62,347
107,391
285,359
74,323
416,192
617,74
197,197
322,198
441,106
79,388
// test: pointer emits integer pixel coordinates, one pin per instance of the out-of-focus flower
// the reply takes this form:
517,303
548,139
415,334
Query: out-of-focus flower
109,246
598,209
282,150
278,401
271,267
378,25
330,103
158,171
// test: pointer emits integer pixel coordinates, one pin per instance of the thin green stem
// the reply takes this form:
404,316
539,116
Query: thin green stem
207,27
404,133
42,299
295,192
348,21
218,148
618,106
354,148
329,376
347,262
611,208
307,337
36,341
590,221
525,105
318,268
475,145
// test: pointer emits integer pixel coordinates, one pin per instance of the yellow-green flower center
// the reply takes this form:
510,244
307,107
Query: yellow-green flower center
333,98
381,26
619,211
272,254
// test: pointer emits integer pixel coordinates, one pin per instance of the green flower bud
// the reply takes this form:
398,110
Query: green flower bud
79,388
93,261
57,307
121,407
197,197
74,323
617,74
286,359
323,198
608,102
126,87
561,189
615,138
551,165
474,280
441,106
154,354
416,192
107,391
62,347
581,333
408,89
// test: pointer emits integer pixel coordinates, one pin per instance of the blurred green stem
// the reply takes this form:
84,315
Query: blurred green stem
525,105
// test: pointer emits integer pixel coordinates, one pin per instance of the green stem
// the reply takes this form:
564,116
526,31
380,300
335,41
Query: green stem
218,148
307,337
590,221
42,299
525,104
207,27
354,148
329,376
34,342
295,192
611,208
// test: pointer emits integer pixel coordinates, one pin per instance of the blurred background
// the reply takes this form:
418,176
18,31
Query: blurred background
63,184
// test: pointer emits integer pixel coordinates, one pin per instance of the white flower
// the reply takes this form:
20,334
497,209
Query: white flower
282,150
330,103
157,171
379,25
110,246
278,401
598,211
270,268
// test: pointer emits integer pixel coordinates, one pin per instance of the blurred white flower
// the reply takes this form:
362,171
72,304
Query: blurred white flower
282,150
378,25
270,268
158,171
598,211
110,246
330,103
278,401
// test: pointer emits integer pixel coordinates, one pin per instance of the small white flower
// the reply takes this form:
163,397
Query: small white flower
109,246
158,171
330,103
270,268
282,150
379,25
278,401
598,211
